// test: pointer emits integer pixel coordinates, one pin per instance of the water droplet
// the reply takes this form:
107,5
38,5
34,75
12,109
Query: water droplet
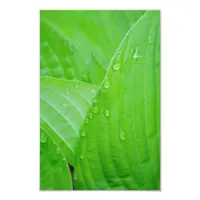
43,137
122,135
82,156
86,120
106,83
136,56
107,113
93,91
90,115
149,54
116,66
95,108
83,133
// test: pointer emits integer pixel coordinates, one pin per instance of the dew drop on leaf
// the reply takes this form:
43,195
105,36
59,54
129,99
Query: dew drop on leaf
83,133
106,83
95,108
107,113
122,135
90,115
136,56
116,66
43,137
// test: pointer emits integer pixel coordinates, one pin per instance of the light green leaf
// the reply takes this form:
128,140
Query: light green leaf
54,171
73,42
63,108
120,146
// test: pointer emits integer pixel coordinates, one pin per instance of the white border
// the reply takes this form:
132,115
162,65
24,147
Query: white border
19,99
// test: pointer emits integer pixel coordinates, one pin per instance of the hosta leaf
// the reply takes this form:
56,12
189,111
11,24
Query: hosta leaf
63,107
120,145
73,42
54,171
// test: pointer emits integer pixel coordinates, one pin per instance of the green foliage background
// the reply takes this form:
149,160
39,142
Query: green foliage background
100,100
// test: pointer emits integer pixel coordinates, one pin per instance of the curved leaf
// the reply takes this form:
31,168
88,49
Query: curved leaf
63,107
120,145
54,171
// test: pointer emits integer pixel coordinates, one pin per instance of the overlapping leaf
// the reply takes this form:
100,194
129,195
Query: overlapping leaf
54,171
119,147
79,44
63,106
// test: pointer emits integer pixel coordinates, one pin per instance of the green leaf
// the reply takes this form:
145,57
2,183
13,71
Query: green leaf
54,171
120,146
58,57
63,108
79,44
